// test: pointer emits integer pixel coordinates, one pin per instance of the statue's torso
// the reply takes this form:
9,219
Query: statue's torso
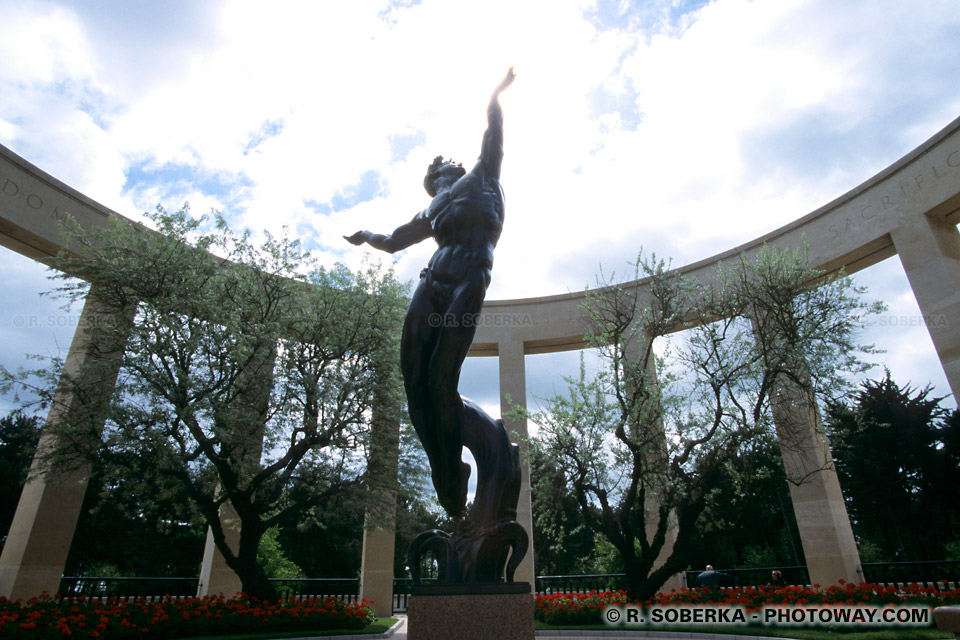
466,221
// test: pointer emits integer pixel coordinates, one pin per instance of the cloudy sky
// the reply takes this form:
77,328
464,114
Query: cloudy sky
681,126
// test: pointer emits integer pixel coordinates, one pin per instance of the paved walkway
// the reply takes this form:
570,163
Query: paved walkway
399,632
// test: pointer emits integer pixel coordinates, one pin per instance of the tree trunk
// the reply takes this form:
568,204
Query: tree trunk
247,567
255,581
641,588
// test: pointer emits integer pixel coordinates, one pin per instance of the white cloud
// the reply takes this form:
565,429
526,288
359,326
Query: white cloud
46,46
684,134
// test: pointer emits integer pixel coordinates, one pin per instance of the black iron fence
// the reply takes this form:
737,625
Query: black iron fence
130,588
581,583
614,581
344,588
939,575
127,588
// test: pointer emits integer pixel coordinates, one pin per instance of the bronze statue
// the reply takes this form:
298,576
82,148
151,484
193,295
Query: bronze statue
465,218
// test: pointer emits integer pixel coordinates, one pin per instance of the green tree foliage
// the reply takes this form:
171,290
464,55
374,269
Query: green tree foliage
752,525
562,542
248,372
339,524
417,508
645,442
327,540
135,522
898,456
19,435
274,560
132,523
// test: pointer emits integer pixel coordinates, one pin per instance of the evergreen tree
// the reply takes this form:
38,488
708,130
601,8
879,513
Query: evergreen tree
896,453
750,523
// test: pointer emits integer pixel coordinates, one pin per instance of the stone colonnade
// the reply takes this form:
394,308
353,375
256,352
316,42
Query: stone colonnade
910,209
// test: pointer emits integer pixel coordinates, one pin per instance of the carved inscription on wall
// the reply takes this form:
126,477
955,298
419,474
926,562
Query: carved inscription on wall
12,191
907,187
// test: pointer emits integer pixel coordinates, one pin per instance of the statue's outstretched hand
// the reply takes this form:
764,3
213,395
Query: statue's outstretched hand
506,82
358,238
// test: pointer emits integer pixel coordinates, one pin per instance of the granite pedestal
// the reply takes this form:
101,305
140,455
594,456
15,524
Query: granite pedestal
948,619
471,612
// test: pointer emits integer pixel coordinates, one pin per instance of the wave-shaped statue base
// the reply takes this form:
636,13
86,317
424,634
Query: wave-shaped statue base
489,544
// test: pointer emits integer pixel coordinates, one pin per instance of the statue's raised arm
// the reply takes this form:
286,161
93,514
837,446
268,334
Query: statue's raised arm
491,151
441,175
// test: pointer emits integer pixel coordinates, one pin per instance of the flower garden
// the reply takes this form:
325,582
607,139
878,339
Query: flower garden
54,617
586,608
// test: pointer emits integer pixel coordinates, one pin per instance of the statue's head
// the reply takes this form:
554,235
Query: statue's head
442,173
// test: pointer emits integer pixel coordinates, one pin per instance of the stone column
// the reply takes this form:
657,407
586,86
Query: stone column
215,576
828,544
39,540
825,533
256,383
376,566
379,530
513,384
929,250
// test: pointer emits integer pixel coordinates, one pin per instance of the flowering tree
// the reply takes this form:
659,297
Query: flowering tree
247,375
643,442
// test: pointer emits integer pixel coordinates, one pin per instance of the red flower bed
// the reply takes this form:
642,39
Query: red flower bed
54,617
577,608
585,608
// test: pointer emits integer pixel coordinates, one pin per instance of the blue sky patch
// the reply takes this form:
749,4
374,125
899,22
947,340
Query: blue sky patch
87,98
368,187
647,15
269,129
402,144
813,144
176,181
387,13
307,234
323,208
603,101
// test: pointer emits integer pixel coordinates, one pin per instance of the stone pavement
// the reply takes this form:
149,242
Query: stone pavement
399,632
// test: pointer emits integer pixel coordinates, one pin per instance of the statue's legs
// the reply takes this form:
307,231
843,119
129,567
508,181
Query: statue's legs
433,348
416,345
487,545
453,342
